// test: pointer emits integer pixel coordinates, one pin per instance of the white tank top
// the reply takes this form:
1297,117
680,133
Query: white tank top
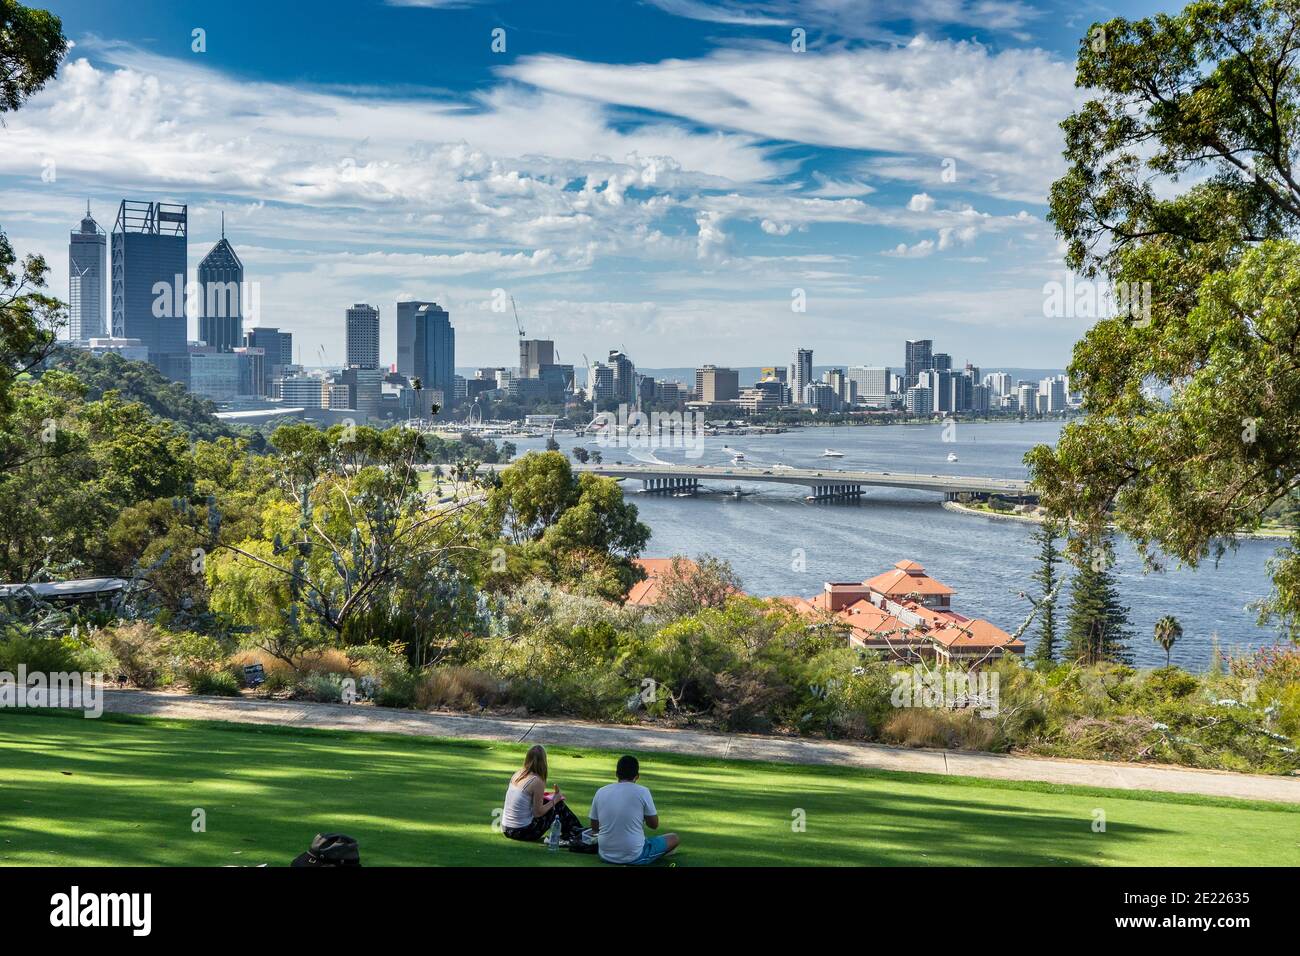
518,810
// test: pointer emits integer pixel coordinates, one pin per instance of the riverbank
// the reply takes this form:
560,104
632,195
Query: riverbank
1036,517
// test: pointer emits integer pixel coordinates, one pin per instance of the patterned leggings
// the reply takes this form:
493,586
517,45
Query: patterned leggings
570,826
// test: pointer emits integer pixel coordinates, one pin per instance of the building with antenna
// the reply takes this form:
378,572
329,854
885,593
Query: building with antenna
87,281
221,307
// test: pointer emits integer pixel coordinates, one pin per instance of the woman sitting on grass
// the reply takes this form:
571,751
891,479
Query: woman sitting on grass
530,810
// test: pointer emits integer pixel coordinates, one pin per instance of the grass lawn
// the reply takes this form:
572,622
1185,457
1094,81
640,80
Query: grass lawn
121,790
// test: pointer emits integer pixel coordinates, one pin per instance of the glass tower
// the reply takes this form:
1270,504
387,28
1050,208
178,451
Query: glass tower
149,269
87,274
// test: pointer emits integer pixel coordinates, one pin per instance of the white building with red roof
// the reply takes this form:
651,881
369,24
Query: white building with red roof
906,614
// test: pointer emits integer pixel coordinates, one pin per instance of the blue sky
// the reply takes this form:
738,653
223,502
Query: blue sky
663,176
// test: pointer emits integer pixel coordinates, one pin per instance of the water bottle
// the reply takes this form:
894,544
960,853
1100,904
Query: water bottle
553,841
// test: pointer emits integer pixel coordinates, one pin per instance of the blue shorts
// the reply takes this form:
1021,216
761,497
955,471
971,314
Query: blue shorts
654,848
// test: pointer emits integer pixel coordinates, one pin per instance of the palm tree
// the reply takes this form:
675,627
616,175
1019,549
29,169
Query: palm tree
417,385
1167,631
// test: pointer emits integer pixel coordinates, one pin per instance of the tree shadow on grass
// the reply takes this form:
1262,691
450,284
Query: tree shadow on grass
99,792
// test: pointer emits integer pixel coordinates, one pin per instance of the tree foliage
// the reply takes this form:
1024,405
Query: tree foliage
1192,431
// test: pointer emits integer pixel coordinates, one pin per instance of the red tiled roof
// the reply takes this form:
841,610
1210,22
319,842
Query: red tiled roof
908,577
646,593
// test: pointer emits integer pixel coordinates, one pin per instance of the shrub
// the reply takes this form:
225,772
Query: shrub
140,650
215,684
39,652
931,727
321,687
457,688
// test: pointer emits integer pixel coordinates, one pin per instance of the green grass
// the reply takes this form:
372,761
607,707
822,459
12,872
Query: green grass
121,790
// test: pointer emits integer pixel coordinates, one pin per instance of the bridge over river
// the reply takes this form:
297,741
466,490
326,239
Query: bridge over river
825,483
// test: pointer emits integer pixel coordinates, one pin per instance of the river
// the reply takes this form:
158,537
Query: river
779,543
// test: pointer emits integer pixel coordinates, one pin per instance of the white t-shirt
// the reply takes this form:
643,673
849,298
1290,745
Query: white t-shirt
620,809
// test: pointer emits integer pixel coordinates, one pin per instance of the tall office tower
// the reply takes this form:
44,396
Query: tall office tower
872,384
426,347
624,377
939,382
221,307
533,354
962,392
366,387
600,384
1052,393
999,382
837,379
981,398
1027,397
149,268
917,358
801,374
277,349
87,273
363,336
715,384
941,361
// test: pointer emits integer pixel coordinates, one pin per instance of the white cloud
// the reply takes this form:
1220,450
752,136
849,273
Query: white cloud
996,113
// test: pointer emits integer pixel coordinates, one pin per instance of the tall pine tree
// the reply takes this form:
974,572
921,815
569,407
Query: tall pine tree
1047,579
1097,628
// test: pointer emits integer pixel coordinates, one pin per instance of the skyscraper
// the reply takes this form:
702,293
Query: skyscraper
624,377
917,359
149,268
533,354
363,336
221,307
426,346
87,273
276,348
872,383
801,374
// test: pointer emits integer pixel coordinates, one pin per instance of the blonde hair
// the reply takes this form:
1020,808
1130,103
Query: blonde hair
534,763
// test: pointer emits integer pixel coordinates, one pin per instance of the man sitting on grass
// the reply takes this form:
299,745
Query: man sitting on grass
620,812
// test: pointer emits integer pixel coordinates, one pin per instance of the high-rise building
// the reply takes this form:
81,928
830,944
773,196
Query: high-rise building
276,348
366,390
941,361
533,354
214,374
87,278
221,307
919,401
624,377
962,386
999,382
872,383
363,336
1052,394
939,382
714,384
1027,397
917,358
801,374
426,347
600,384
149,267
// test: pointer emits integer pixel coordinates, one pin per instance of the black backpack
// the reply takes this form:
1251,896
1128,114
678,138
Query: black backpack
330,849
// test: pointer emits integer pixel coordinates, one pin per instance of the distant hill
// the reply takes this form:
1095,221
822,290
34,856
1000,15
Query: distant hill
141,382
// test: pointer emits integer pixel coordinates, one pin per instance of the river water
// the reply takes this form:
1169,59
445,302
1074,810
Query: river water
779,543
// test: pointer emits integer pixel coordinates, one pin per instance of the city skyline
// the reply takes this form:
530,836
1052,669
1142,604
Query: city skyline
645,222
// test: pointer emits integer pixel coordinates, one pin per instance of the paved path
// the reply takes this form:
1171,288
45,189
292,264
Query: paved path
723,746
